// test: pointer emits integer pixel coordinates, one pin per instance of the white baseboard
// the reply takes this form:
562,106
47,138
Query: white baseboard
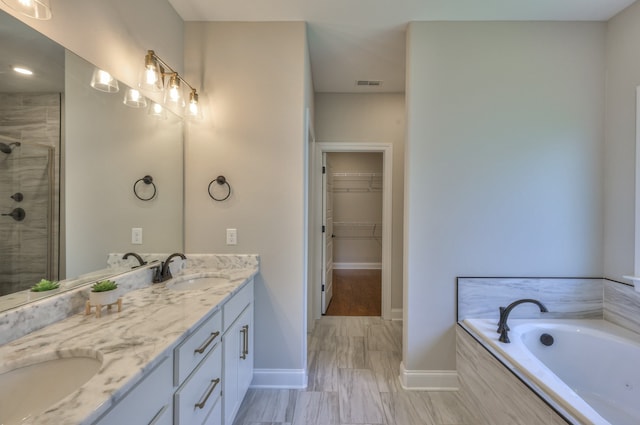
357,266
428,380
279,378
396,314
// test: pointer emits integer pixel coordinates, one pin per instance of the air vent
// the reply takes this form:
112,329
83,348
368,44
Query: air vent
368,83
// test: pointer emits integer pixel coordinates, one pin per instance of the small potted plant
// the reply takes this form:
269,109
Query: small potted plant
45,285
104,293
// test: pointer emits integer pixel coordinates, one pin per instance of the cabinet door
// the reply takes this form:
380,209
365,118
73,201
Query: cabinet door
238,363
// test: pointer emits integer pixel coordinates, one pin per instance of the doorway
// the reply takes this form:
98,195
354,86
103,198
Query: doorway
353,217
376,231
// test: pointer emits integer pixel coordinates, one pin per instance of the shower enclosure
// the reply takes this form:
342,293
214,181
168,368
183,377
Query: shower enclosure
29,157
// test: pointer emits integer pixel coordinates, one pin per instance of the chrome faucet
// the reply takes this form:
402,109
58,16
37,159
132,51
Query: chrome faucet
163,272
137,257
503,328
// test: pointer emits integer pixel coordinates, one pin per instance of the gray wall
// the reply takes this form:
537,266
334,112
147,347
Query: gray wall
256,79
623,76
108,147
372,118
503,164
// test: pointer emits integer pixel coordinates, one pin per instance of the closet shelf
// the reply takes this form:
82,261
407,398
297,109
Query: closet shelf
357,182
357,230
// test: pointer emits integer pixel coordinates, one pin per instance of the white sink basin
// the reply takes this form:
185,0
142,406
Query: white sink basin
34,384
196,283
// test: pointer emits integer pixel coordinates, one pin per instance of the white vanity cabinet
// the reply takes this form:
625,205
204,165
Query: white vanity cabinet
238,350
148,403
198,373
205,378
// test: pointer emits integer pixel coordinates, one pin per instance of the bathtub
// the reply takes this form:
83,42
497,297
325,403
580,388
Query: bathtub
590,371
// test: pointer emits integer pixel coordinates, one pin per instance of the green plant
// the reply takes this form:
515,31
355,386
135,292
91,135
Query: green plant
45,285
104,286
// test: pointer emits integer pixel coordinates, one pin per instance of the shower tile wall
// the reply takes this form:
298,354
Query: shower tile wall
29,253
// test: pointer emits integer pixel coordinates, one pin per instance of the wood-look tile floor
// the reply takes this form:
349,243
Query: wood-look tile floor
356,293
353,379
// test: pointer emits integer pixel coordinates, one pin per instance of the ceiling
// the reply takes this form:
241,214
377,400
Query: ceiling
352,40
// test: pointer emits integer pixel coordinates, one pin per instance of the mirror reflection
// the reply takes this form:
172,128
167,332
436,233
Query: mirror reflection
69,158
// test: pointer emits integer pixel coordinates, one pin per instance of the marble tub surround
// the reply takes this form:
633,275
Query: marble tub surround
133,342
575,298
622,305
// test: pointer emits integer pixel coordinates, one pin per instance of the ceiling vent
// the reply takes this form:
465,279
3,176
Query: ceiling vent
368,83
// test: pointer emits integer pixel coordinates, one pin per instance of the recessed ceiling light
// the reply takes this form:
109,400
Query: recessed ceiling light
21,70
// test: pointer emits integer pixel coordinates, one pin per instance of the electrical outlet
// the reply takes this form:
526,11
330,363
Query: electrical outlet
136,235
232,237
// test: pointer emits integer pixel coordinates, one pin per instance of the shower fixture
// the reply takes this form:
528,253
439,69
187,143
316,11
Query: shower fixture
8,148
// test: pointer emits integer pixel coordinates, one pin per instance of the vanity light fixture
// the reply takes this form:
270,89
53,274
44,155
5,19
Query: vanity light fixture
134,99
103,81
152,78
38,9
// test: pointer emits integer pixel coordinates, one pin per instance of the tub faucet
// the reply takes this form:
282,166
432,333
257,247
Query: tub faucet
164,271
137,257
503,328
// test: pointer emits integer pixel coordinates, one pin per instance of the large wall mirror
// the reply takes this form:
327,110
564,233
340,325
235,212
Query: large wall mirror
69,158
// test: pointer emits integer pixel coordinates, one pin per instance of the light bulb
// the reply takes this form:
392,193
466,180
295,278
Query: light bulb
174,94
103,81
134,99
39,9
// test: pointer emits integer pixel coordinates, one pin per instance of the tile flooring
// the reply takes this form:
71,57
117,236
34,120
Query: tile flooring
353,379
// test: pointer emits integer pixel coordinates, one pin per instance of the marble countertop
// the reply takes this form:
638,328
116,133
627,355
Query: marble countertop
152,322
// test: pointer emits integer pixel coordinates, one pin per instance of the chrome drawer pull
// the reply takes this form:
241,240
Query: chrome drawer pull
215,383
158,415
245,342
243,349
209,340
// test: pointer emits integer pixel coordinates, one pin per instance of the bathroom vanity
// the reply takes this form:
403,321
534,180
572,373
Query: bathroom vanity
180,352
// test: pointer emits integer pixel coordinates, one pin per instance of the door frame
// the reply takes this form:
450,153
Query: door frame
387,206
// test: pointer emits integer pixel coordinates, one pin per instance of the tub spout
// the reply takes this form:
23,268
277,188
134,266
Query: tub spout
503,328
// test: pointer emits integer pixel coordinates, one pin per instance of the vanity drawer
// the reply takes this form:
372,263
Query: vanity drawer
201,391
196,346
232,309
149,402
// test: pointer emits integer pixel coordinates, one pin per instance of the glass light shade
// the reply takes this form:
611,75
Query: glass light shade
193,109
158,111
103,81
39,9
173,94
134,98
151,75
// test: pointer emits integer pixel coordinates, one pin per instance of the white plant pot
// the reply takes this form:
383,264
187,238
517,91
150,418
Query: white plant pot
104,298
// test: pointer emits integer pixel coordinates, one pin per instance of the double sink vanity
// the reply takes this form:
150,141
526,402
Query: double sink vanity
179,352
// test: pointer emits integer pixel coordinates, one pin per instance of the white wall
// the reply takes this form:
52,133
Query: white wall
256,78
372,118
503,164
115,34
623,75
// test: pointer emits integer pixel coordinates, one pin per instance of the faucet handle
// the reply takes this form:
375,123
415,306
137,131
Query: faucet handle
502,325
157,273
